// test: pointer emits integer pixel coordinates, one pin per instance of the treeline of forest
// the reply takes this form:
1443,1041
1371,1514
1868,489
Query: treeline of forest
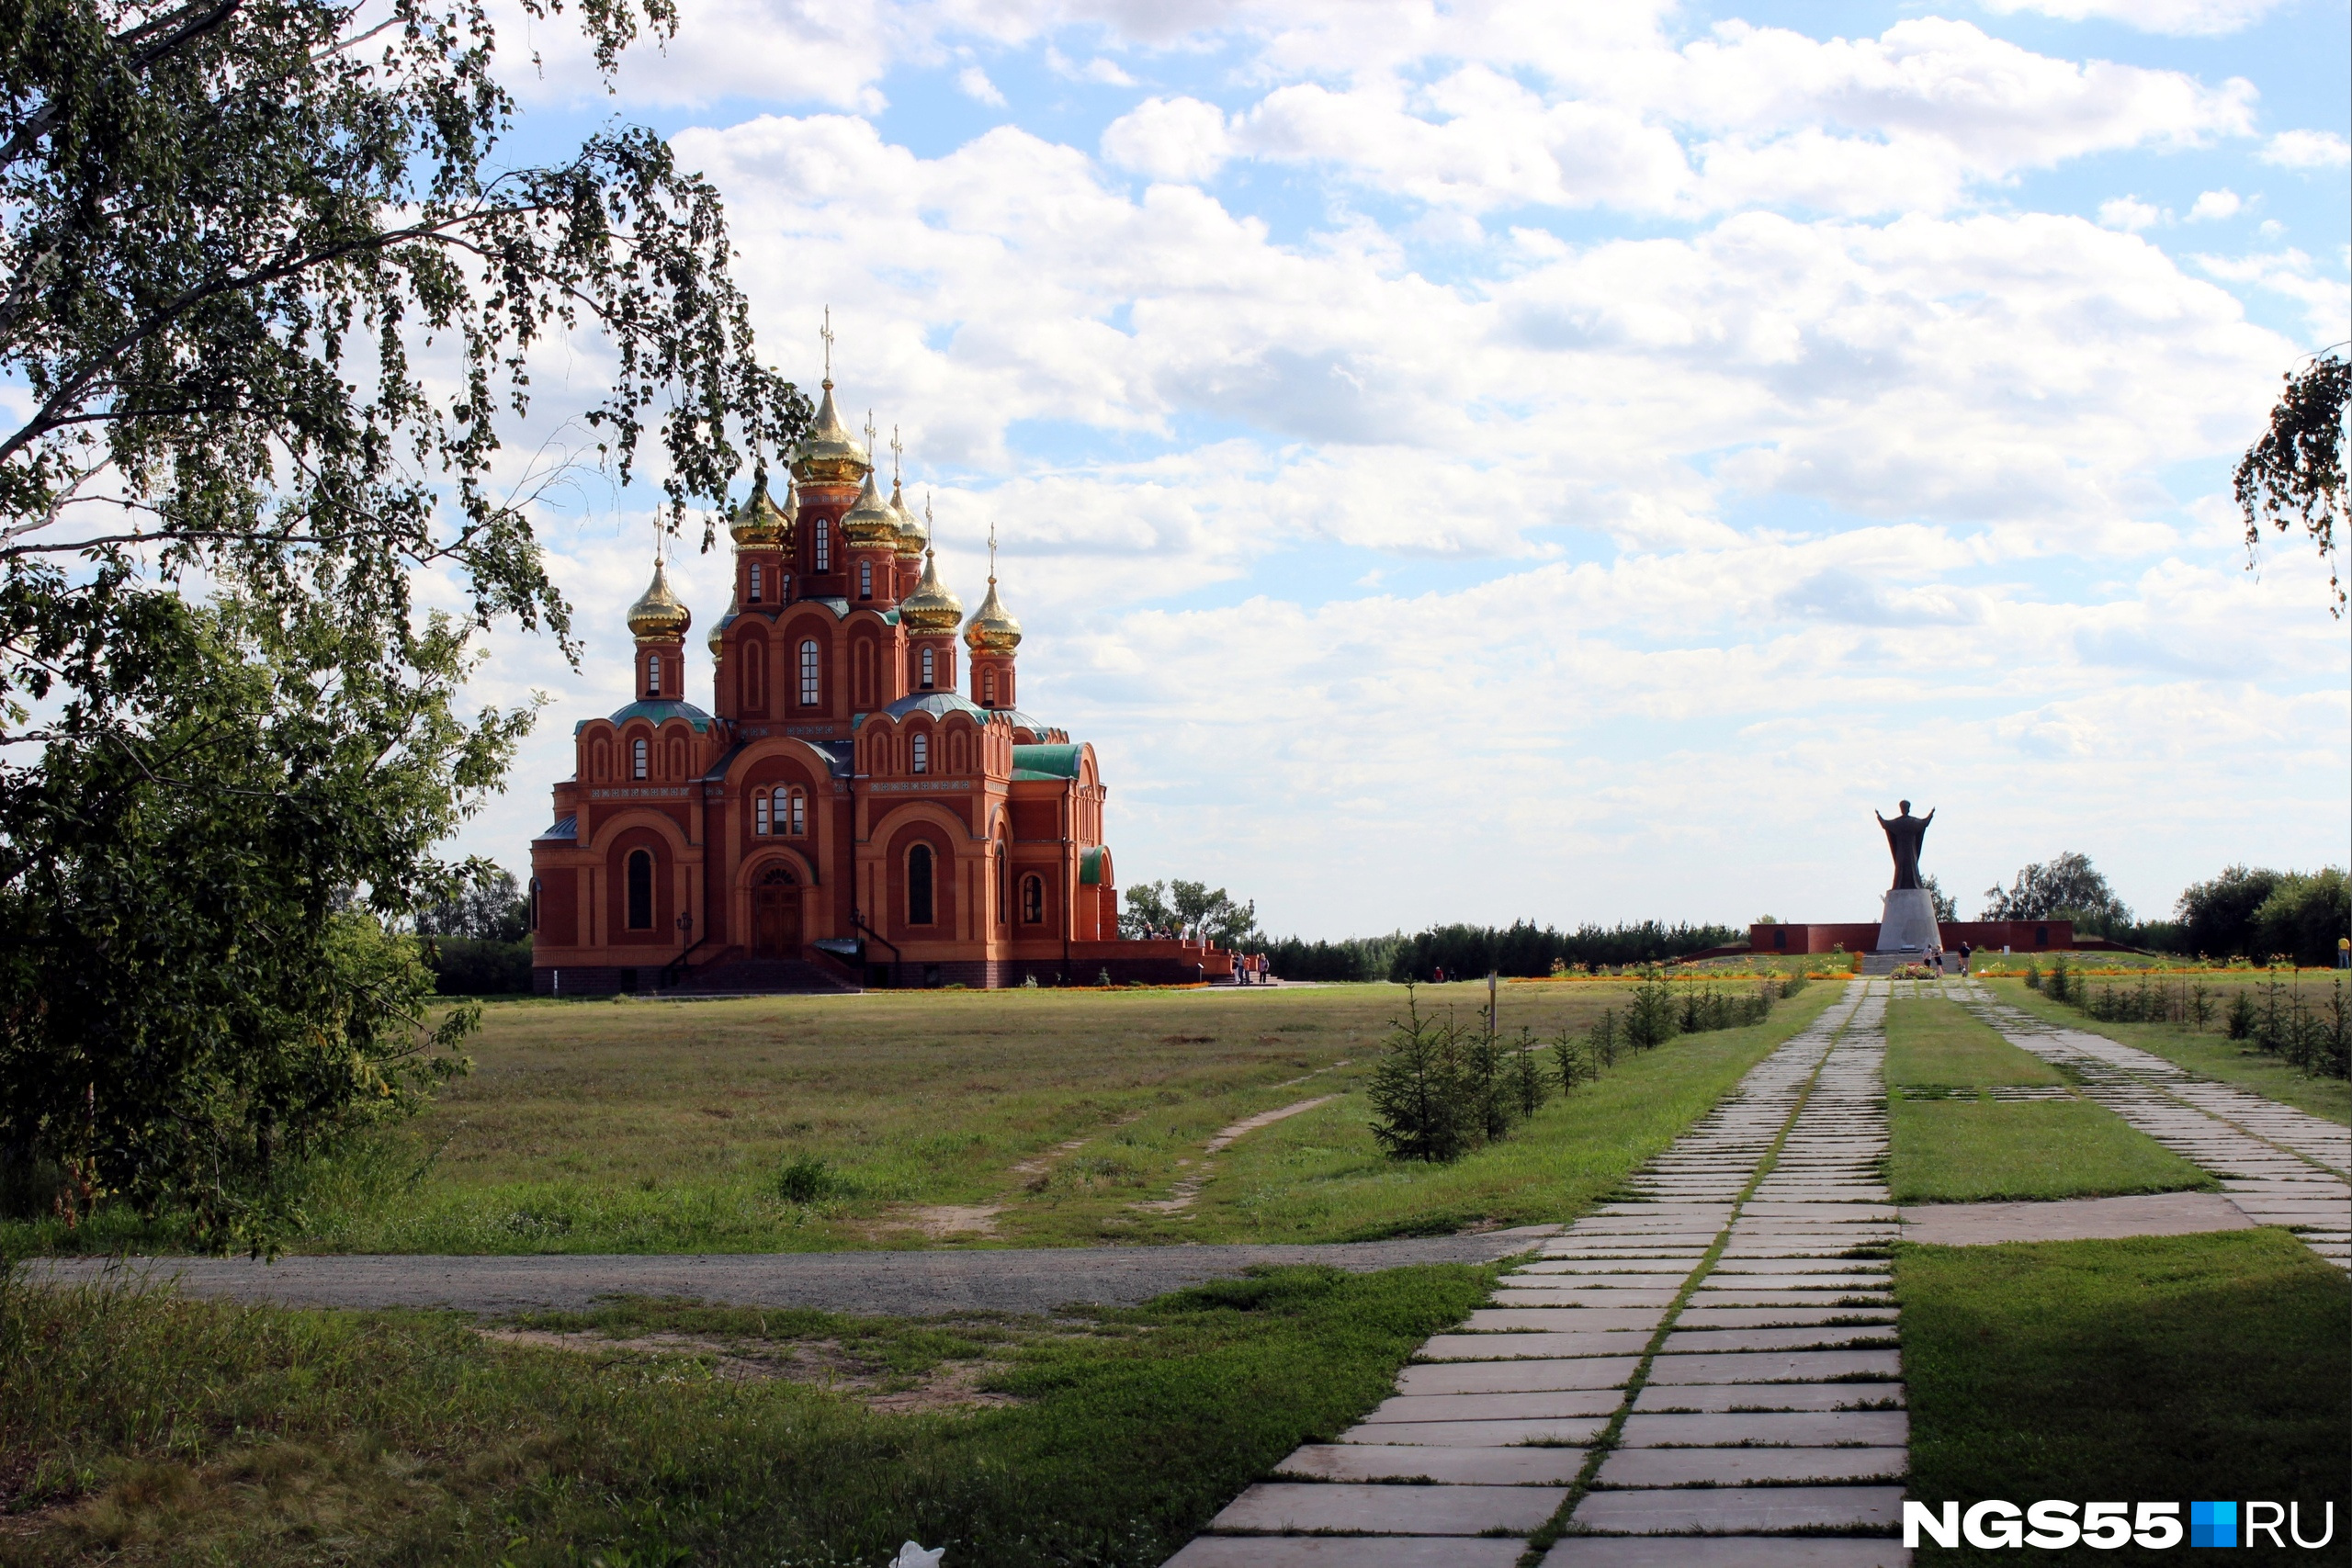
1522,949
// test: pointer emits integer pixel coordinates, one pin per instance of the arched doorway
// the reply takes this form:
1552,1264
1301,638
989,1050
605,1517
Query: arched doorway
775,914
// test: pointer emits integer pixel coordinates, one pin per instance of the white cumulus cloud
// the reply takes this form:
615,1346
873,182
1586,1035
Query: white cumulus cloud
1170,139
2308,149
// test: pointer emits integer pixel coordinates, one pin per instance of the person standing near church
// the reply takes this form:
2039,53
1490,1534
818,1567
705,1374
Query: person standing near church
1964,952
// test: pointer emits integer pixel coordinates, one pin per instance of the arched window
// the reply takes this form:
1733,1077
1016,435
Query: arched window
755,582
754,662
760,812
1003,883
927,668
1033,900
640,890
988,689
808,673
653,674
824,547
922,753
799,813
866,580
637,751
535,902
919,886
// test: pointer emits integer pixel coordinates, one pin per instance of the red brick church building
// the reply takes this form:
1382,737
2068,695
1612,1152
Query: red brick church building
842,815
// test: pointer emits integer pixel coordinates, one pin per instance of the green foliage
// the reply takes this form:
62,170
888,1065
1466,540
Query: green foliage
1529,1088
190,997
1525,950
1419,1090
2066,887
2257,913
1351,958
1192,910
2303,915
2294,472
464,968
806,1178
490,908
229,234
1652,1018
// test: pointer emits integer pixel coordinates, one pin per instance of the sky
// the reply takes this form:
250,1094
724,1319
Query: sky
1570,462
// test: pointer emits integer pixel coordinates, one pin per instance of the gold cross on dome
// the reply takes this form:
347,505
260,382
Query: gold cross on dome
991,554
897,452
869,433
826,332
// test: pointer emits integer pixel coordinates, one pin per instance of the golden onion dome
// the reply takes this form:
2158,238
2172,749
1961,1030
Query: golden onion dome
828,454
870,522
912,543
658,613
993,628
760,523
718,629
931,610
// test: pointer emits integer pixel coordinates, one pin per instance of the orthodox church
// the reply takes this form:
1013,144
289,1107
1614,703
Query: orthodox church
842,815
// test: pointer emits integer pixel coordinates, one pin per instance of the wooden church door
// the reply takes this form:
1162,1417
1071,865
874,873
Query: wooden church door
776,917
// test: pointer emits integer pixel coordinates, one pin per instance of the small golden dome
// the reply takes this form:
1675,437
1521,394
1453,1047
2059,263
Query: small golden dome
931,610
870,522
719,630
827,454
760,524
912,543
993,628
658,613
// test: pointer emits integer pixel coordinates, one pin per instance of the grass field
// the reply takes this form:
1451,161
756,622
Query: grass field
1952,1143
2206,1052
927,1119
2161,1368
149,1430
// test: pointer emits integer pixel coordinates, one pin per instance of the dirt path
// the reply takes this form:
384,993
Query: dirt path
896,1284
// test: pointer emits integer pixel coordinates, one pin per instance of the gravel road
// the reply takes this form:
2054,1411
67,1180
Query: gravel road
894,1284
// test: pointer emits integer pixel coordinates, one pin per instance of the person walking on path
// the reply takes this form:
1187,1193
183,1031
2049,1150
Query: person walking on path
2344,953
1964,952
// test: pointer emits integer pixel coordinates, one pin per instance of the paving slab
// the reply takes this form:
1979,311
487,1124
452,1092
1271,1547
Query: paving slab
1517,1377
1563,1319
1805,1428
1344,1551
1519,1292
1726,1510
1461,1467
1722,1551
1790,1366
1557,1431
1813,1314
1546,1405
1704,1339
1746,1467
1507,1346
1273,1507
2072,1219
1655,1398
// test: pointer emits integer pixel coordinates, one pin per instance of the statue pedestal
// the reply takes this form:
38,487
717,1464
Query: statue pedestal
1908,923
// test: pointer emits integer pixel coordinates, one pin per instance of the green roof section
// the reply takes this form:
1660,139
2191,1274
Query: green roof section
1090,866
660,710
1045,761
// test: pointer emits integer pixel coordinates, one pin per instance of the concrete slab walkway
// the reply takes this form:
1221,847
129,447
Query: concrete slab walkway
2278,1166
1705,1373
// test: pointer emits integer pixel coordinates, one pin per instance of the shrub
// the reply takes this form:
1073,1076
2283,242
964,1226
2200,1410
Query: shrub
806,1178
1417,1092
1527,1085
